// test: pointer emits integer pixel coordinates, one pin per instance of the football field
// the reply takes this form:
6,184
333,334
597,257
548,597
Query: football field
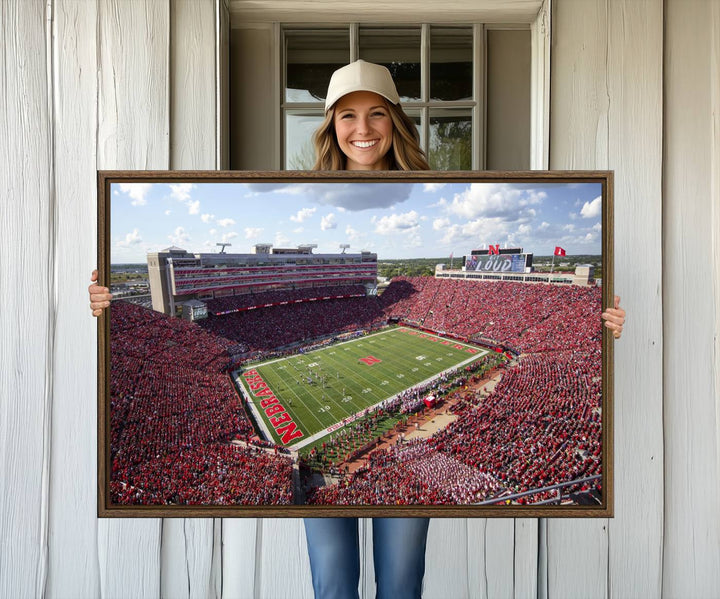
301,398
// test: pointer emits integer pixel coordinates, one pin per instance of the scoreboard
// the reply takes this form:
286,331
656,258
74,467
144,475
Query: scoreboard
500,263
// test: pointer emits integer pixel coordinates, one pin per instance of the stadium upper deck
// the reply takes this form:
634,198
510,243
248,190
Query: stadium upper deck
178,276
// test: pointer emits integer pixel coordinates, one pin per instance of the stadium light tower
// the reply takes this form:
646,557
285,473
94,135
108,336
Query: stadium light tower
344,246
222,250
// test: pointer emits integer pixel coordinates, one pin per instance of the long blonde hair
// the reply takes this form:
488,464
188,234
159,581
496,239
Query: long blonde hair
404,155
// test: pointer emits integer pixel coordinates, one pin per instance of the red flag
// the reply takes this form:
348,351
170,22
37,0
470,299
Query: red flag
494,249
559,251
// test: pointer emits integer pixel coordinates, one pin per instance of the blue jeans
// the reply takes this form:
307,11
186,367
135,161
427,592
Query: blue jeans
398,552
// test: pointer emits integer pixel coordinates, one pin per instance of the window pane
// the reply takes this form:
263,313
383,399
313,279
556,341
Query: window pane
311,58
451,56
299,150
415,117
450,145
399,51
508,100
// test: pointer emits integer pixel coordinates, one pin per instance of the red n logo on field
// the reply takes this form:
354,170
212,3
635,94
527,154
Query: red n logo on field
370,360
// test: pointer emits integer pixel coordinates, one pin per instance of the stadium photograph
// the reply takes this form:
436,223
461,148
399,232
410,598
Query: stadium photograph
288,341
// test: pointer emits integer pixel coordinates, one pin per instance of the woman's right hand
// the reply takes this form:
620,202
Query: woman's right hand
99,296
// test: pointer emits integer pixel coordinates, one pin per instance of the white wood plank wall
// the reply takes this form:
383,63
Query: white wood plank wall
635,87
73,539
606,112
690,249
27,317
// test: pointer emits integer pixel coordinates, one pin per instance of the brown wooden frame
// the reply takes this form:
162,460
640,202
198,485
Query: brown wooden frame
107,509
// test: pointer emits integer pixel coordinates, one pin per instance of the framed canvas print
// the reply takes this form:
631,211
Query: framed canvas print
355,344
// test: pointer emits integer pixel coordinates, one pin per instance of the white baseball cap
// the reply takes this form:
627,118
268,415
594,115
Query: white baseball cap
361,76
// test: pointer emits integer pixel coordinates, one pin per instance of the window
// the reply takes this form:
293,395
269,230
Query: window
467,87
436,71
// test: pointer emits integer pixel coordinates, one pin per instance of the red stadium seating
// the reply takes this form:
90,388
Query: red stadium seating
174,410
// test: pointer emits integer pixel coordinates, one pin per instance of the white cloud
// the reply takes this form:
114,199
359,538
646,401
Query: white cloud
136,191
493,200
130,239
213,231
524,229
181,191
535,197
328,222
597,227
252,232
441,203
179,237
569,228
351,233
441,223
226,222
396,223
592,209
207,218
430,187
350,196
543,226
303,215
228,236
479,232
168,212
281,240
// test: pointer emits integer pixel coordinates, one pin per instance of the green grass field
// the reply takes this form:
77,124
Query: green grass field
324,389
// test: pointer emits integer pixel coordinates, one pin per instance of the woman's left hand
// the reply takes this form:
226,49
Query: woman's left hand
615,318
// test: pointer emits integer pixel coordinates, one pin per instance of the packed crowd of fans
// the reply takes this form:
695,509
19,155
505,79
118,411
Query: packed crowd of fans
526,317
247,301
174,410
409,473
209,474
173,414
541,424
277,326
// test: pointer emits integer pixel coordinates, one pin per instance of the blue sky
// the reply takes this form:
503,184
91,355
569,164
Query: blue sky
394,219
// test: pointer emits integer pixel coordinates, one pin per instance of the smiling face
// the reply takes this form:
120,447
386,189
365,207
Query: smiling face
364,130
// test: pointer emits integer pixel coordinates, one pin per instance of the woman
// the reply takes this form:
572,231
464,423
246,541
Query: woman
365,129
